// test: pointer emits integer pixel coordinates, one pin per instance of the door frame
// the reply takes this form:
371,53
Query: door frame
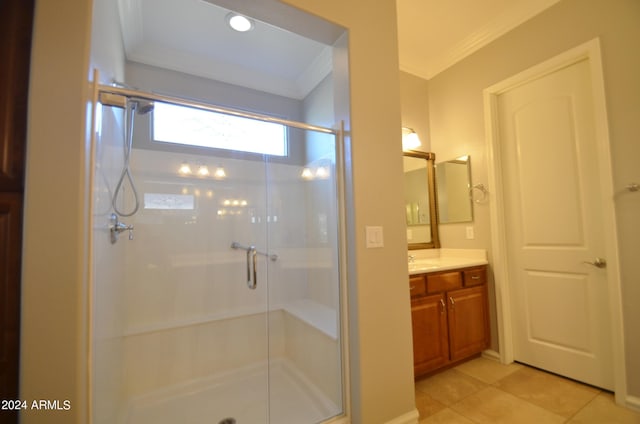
500,260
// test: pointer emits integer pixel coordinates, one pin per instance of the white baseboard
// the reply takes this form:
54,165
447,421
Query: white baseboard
491,354
408,418
633,402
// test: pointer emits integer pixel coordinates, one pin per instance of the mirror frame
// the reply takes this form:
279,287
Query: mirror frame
430,158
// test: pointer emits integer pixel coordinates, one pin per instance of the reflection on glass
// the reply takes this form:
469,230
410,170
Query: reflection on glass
416,197
453,181
168,201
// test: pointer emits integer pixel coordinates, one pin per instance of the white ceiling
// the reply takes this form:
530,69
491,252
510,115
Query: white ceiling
435,34
191,36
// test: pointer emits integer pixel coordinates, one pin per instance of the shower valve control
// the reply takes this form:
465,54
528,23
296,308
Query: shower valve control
116,227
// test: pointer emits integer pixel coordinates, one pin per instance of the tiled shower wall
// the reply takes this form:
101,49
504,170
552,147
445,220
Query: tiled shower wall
188,313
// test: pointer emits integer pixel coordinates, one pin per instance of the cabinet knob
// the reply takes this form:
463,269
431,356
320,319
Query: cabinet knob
453,302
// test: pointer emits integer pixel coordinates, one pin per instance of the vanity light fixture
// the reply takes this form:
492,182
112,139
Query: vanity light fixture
410,139
202,170
315,173
307,174
184,169
322,173
239,23
319,169
220,173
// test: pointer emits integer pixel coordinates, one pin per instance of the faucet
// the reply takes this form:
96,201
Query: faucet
116,227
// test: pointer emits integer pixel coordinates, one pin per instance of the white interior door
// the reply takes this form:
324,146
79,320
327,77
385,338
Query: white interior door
554,226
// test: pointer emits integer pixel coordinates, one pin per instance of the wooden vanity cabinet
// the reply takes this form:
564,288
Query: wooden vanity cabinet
450,317
430,333
468,322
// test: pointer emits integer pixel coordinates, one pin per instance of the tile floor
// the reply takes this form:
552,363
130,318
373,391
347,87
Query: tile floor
484,391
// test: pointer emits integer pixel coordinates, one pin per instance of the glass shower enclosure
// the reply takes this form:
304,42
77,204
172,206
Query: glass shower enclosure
219,299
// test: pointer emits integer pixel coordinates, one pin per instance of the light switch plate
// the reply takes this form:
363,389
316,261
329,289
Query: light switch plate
375,237
470,234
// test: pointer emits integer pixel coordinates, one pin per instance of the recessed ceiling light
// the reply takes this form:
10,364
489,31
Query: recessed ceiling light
239,23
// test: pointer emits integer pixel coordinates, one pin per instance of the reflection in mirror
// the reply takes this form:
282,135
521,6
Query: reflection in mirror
420,200
453,181
416,197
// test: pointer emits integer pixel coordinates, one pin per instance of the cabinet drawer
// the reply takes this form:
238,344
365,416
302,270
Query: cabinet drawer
475,276
443,281
417,286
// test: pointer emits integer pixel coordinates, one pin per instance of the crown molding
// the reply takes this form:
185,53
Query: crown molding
180,61
141,50
502,23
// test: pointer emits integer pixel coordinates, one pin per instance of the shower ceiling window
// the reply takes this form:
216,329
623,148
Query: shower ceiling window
196,127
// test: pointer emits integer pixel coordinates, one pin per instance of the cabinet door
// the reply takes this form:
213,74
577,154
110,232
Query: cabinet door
468,321
430,339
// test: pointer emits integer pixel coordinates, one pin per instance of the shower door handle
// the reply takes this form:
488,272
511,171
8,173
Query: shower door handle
252,262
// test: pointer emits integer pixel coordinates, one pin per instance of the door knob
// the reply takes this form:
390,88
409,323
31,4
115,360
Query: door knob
598,263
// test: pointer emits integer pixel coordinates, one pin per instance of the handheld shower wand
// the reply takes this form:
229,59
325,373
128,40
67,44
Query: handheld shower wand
133,106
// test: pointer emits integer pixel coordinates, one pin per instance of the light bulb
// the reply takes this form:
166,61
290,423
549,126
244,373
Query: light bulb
410,139
184,169
239,23
220,172
322,172
306,174
203,170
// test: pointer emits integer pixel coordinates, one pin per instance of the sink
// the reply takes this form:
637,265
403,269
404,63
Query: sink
424,264
422,267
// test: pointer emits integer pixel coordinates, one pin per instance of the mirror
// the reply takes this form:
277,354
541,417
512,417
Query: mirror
453,182
420,200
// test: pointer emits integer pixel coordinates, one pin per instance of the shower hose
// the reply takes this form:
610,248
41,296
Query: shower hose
126,170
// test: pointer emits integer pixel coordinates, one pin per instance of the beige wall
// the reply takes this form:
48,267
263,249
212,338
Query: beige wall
53,346
55,249
457,121
414,97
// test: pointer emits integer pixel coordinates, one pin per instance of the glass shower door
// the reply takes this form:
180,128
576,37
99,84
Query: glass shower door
197,344
225,305
305,355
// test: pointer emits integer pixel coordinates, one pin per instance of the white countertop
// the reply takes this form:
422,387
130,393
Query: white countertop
433,260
